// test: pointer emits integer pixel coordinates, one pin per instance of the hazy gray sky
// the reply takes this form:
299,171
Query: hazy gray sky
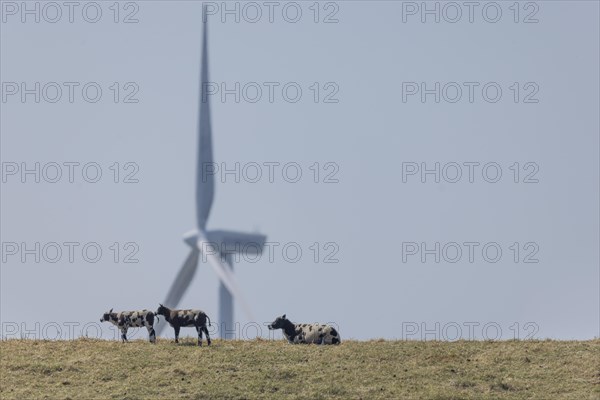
369,210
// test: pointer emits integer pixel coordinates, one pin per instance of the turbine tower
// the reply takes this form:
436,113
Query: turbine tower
217,246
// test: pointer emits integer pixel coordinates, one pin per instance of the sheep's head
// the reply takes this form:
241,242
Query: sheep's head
279,322
162,310
106,316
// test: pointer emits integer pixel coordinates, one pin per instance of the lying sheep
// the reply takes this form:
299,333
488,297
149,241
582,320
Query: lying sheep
306,333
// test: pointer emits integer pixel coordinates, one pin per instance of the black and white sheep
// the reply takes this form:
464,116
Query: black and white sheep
179,318
132,319
306,333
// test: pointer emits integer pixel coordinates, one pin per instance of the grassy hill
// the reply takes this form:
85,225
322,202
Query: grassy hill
96,369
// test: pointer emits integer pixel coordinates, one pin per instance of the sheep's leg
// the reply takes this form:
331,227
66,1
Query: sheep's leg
199,330
207,336
151,334
124,334
321,339
176,333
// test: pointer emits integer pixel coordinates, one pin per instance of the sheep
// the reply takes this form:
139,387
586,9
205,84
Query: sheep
179,318
132,319
306,333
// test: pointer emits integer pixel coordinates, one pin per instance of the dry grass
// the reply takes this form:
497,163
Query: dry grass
95,369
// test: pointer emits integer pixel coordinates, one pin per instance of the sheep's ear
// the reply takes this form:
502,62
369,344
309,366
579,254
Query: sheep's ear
283,317
110,311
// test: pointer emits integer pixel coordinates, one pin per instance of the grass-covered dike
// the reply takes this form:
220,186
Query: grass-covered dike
260,369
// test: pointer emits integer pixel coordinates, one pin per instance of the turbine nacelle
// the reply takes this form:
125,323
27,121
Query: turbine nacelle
228,242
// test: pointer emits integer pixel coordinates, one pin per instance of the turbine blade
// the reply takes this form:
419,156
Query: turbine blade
180,284
225,275
205,183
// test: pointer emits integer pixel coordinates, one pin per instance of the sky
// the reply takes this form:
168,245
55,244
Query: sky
416,178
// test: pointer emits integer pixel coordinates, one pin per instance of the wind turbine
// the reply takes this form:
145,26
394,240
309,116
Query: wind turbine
212,244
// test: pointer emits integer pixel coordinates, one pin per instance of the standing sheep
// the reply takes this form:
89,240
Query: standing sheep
132,319
179,318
